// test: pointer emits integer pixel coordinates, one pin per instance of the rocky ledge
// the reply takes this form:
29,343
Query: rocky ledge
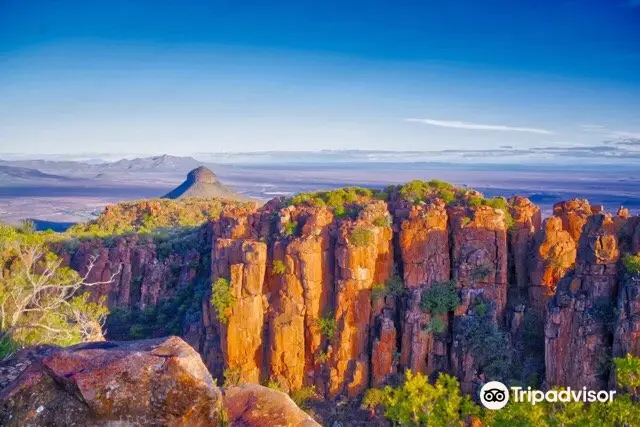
148,382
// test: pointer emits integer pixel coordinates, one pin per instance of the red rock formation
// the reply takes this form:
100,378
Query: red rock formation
424,245
148,382
243,263
627,332
363,258
578,329
479,260
288,280
526,223
574,214
139,279
299,297
554,255
479,254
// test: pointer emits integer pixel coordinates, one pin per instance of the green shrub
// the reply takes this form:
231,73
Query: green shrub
382,221
274,385
374,398
290,228
481,308
440,298
631,263
628,373
361,236
475,201
7,347
327,325
322,357
302,396
232,377
394,286
279,267
222,299
419,403
465,221
378,291
436,325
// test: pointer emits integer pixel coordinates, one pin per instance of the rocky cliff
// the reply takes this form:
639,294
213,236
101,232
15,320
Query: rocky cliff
344,290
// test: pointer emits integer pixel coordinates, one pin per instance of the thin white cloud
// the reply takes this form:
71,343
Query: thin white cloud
609,133
454,124
591,128
624,134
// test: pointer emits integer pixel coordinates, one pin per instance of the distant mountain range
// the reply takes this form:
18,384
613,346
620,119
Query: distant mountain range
164,163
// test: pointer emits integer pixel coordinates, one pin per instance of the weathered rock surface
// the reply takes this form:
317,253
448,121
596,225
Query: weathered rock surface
364,257
148,382
554,255
579,327
424,244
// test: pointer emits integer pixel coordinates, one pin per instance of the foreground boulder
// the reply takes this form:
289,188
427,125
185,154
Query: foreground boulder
150,382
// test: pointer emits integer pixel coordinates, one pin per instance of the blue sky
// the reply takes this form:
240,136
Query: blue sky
192,76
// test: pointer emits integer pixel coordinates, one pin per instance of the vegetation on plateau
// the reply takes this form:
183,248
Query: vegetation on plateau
148,215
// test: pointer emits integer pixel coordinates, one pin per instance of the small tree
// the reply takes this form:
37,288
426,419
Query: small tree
40,300
222,299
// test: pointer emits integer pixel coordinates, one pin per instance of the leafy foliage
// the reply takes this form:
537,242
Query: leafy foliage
394,286
302,396
628,373
382,221
361,236
40,300
440,298
489,345
419,403
327,325
290,228
222,299
631,263
279,268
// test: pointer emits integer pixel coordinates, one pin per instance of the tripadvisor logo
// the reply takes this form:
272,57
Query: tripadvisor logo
495,395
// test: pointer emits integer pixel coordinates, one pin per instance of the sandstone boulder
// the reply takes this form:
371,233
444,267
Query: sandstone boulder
159,382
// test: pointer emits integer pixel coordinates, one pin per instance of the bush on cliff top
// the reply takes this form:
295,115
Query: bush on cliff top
361,236
420,191
631,263
222,299
334,199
